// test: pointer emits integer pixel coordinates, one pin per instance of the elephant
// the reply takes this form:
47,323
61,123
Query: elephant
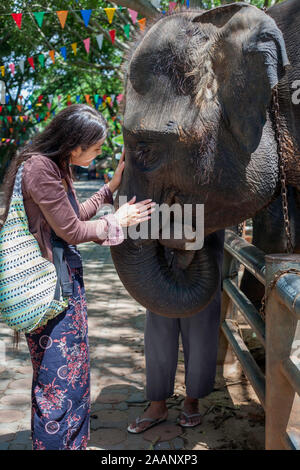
198,129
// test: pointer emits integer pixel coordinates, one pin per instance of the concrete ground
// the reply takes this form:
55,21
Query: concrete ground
232,415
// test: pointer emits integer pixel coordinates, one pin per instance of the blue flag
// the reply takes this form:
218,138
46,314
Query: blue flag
63,51
86,14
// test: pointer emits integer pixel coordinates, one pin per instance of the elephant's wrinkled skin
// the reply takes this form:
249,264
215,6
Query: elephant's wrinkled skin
197,129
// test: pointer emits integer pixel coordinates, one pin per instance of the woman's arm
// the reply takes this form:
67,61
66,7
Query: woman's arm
42,182
89,208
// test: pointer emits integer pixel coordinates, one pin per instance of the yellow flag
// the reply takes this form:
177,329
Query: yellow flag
74,47
2,70
142,23
62,16
110,13
108,99
52,55
21,118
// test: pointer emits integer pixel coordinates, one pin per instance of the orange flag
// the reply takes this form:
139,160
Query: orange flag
19,107
142,23
62,16
87,99
52,55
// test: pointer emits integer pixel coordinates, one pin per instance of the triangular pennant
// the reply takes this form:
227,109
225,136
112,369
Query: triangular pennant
127,30
77,98
87,98
19,107
2,68
133,15
40,97
62,16
39,17
21,65
52,55
142,23
74,47
31,62
112,34
87,44
42,59
187,4
12,68
172,6
96,97
99,38
49,105
18,19
119,98
63,51
86,14
110,14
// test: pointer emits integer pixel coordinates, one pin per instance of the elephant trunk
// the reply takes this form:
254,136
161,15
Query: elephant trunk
170,282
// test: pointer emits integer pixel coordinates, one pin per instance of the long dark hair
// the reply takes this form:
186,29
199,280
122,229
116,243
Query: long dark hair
76,125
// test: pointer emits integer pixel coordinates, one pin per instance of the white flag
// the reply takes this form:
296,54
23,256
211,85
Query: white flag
99,38
21,64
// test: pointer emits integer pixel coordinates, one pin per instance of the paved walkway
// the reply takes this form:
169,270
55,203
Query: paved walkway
233,419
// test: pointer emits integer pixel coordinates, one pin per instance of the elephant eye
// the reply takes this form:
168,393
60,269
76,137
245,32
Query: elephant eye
145,156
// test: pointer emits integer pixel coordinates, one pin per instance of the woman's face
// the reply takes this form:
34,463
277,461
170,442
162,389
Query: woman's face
85,157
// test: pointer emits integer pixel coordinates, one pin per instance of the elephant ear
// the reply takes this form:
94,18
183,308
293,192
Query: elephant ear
249,59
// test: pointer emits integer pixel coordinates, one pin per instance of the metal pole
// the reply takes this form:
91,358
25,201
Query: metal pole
282,402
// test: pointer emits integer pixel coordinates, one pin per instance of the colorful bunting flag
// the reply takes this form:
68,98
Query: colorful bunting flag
21,65
127,30
99,38
18,19
87,44
39,17
142,23
110,14
74,47
63,51
2,68
87,98
133,15
42,60
12,68
31,62
52,55
112,34
62,16
86,14
119,98
172,6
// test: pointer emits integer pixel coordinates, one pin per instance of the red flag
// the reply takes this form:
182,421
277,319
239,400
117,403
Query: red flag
18,19
30,60
104,97
40,98
1,109
112,34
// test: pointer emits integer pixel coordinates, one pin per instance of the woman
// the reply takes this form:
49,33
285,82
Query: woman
59,350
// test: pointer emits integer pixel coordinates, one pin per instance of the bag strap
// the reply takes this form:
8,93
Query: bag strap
64,284
18,181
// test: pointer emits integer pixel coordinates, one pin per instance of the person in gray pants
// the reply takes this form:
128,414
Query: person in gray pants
199,335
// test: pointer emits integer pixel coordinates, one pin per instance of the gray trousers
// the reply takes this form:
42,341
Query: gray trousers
199,335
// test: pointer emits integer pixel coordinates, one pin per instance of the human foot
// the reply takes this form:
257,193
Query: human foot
152,416
190,416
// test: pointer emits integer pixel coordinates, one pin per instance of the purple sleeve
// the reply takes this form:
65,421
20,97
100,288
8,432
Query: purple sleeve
89,208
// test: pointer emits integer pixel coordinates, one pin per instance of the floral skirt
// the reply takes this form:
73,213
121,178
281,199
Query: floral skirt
61,377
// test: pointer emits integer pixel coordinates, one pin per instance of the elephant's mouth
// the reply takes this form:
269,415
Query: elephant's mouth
165,277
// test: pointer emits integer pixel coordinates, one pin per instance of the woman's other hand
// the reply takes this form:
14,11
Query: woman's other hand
133,213
116,179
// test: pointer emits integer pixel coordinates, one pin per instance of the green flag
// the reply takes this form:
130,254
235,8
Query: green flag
9,107
127,29
96,98
39,17
42,59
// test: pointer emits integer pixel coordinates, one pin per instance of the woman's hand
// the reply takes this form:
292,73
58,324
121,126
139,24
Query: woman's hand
131,214
115,182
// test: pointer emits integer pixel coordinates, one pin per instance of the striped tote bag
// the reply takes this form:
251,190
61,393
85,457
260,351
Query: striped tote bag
30,294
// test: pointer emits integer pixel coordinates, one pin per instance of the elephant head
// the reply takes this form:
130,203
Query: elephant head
197,89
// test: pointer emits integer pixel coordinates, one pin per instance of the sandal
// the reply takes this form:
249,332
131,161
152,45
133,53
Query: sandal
140,420
187,425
